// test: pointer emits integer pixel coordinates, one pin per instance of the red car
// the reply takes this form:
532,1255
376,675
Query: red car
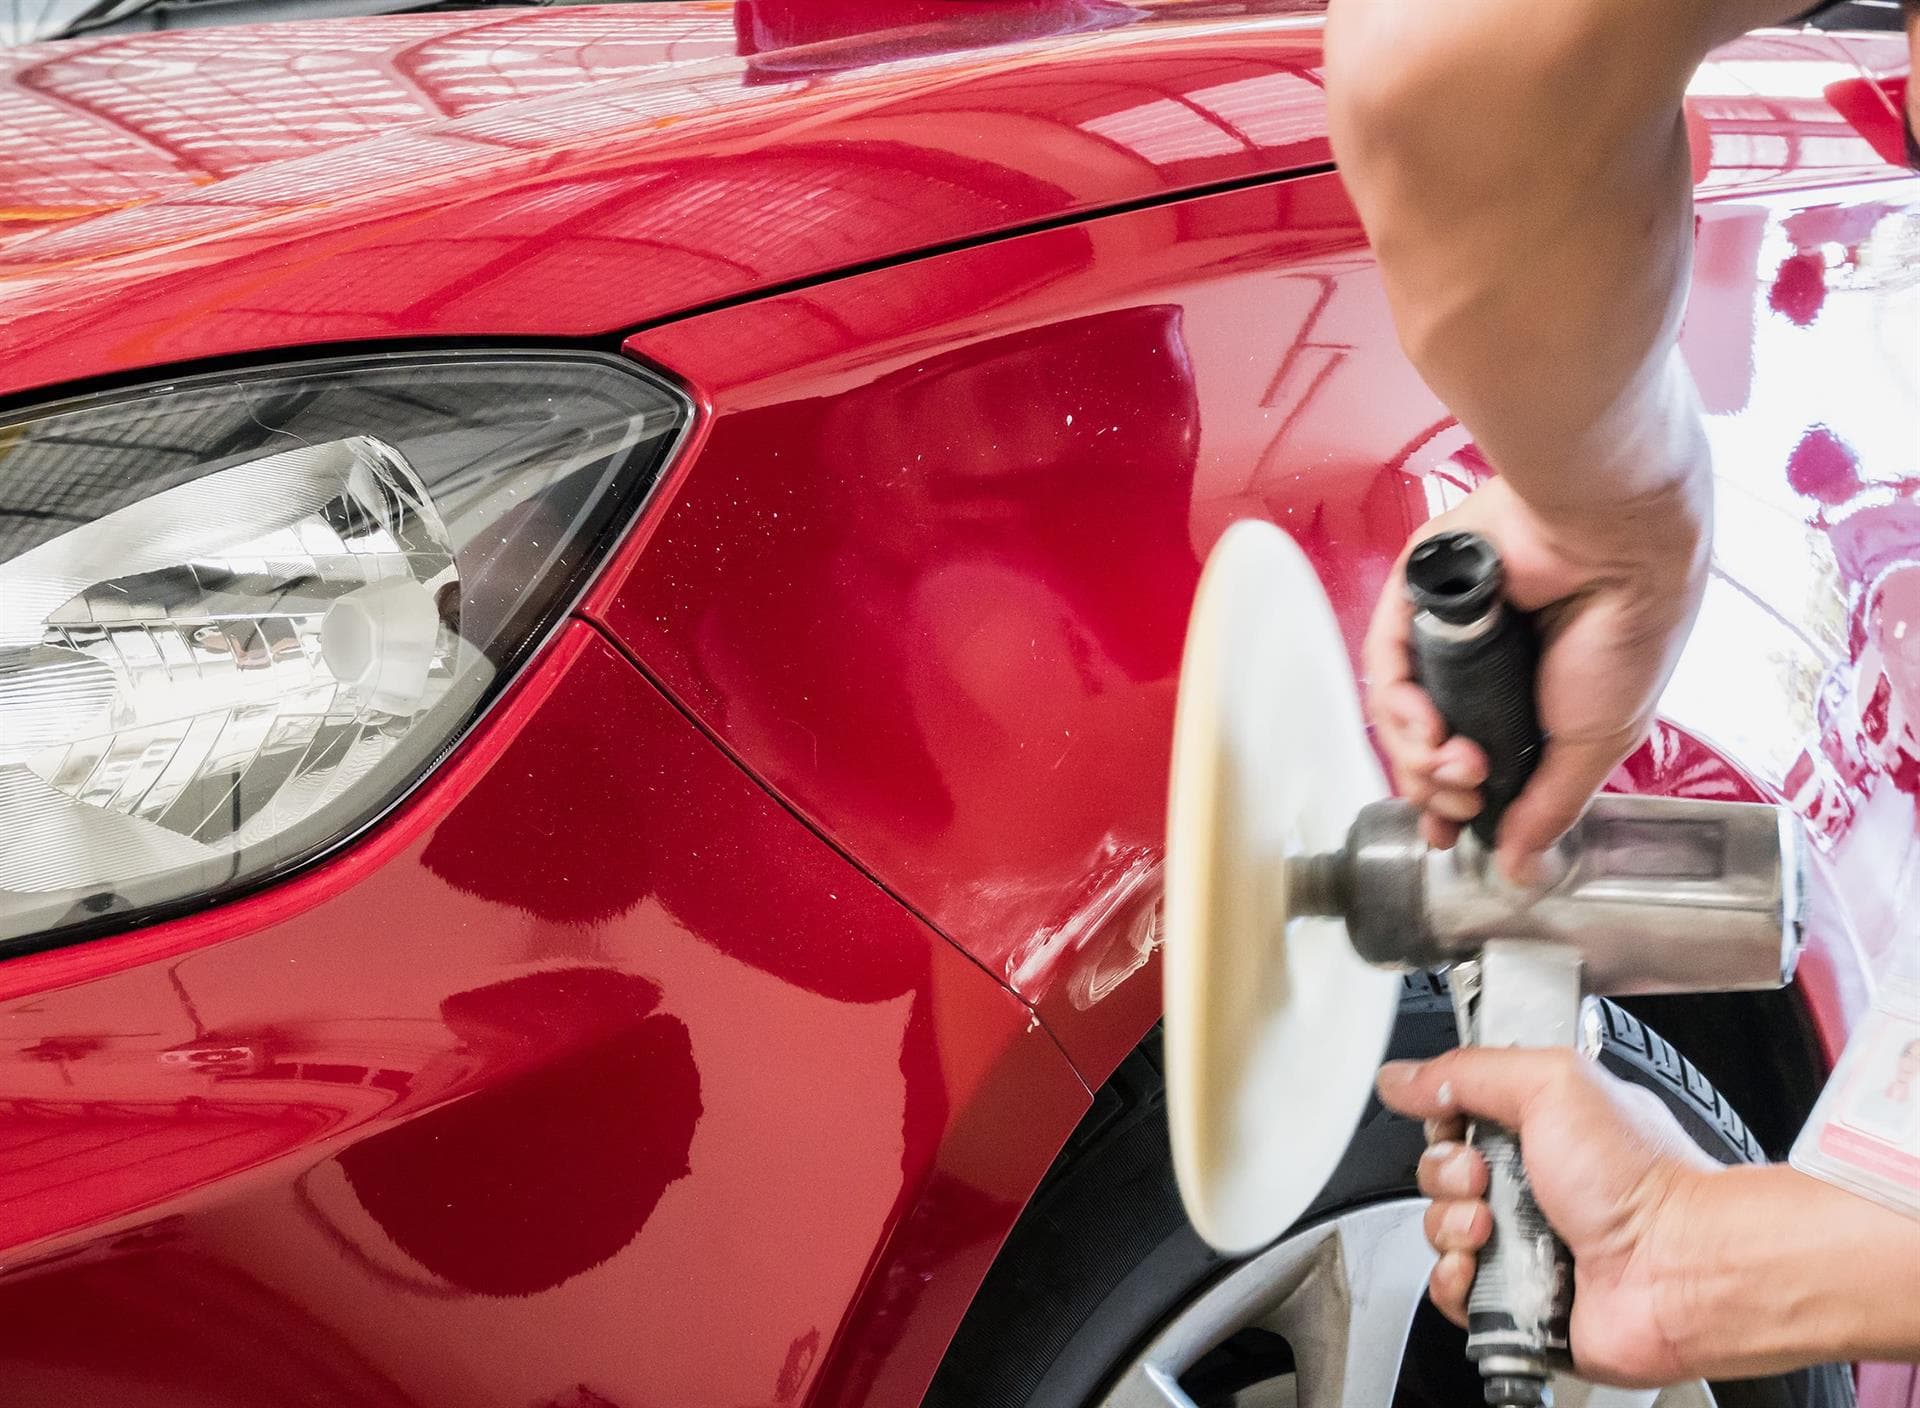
589,603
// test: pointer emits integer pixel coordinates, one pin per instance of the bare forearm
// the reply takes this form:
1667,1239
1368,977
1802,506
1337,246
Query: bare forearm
1522,171
1775,1269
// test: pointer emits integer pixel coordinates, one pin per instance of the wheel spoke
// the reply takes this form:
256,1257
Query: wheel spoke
1348,1321
1147,1386
1343,1296
1248,1297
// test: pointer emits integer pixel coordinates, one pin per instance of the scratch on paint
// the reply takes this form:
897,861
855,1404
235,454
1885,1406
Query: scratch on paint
1106,937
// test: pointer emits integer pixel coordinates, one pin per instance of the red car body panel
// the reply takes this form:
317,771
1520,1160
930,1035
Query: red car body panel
615,171
486,1084
603,1072
939,607
576,174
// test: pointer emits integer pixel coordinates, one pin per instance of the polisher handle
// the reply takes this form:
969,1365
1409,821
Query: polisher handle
1519,992
1477,657
1520,1309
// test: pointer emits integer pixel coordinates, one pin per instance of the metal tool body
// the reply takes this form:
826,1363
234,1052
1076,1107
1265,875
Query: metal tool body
1293,887
1646,895
1658,894
1642,897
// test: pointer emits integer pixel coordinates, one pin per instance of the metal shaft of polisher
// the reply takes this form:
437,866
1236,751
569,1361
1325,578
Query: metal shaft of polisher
1659,894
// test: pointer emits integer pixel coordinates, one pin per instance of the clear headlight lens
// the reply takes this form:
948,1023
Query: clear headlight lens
239,617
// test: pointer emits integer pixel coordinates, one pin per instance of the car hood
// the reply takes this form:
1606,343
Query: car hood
577,171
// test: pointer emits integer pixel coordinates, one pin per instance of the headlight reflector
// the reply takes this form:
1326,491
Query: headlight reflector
239,617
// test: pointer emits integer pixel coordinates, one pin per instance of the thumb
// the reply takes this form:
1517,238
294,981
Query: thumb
1498,1084
1570,772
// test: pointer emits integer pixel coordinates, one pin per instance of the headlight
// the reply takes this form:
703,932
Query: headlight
241,616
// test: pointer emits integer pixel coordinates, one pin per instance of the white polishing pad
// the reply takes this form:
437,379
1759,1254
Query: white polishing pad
1274,1026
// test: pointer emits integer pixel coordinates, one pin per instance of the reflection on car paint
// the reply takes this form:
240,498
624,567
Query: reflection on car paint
482,1087
604,1130
853,592
1804,332
579,172
985,481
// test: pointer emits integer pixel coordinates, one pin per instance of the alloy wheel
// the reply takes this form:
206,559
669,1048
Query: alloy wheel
1329,1317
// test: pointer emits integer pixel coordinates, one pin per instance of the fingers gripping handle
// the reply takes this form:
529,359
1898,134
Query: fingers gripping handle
1476,657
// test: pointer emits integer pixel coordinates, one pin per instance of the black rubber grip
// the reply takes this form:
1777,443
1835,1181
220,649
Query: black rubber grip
1477,658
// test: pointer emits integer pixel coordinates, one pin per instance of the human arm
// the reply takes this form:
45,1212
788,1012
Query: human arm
1683,1268
1522,173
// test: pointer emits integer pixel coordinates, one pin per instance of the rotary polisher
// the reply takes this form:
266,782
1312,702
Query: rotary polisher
1297,891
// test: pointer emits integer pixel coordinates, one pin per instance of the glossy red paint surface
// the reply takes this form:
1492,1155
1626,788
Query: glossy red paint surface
939,608
489,1085
1801,667
576,173
593,1077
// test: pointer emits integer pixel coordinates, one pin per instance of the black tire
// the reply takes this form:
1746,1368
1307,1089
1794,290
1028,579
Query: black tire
1103,1255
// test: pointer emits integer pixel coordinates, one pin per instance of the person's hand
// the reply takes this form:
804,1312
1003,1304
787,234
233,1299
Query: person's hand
1612,1172
1616,590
